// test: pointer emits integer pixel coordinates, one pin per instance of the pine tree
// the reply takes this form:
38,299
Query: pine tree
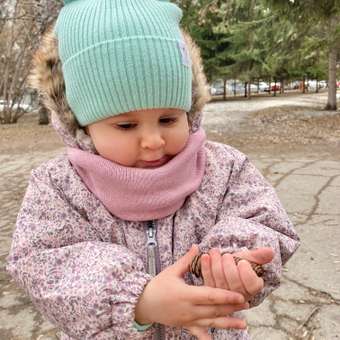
318,20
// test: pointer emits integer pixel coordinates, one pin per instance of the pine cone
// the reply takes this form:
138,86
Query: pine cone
195,267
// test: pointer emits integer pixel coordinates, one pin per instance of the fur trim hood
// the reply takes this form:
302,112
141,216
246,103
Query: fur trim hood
47,79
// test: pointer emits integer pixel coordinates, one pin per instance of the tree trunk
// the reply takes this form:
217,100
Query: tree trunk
224,89
43,116
331,102
275,87
304,84
245,89
317,86
234,87
249,89
282,86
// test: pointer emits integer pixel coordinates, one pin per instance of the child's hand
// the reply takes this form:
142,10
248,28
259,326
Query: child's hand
222,271
214,260
168,300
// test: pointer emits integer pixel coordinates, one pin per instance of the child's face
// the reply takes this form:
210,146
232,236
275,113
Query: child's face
141,139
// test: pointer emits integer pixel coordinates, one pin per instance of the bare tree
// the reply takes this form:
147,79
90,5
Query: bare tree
22,23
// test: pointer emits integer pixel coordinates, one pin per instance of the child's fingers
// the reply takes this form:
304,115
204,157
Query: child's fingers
231,273
251,282
261,255
202,295
208,312
206,271
222,322
217,269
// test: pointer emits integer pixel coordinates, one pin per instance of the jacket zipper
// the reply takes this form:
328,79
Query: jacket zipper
152,246
154,265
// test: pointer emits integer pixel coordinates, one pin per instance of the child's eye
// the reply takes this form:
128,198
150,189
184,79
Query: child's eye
126,126
168,120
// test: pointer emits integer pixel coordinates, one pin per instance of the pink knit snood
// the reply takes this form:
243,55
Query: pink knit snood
136,194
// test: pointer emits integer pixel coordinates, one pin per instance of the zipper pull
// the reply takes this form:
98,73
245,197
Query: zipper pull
151,235
151,248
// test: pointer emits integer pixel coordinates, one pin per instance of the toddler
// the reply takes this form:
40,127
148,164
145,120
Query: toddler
107,231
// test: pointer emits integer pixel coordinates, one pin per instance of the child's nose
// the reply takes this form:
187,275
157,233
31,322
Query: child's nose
152,140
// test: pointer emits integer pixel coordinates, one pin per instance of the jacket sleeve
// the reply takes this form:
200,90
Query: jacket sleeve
251,216
86,287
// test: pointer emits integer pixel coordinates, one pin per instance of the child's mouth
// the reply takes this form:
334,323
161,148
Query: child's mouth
154,164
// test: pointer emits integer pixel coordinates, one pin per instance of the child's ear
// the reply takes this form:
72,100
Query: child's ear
188,117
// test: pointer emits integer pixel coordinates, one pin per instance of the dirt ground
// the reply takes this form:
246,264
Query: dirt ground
261,124
294,143
286,127
27,135
288,124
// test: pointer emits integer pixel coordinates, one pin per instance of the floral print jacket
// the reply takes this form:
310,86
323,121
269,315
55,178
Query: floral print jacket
85,269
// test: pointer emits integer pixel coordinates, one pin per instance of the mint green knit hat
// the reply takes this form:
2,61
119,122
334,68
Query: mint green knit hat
122,55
